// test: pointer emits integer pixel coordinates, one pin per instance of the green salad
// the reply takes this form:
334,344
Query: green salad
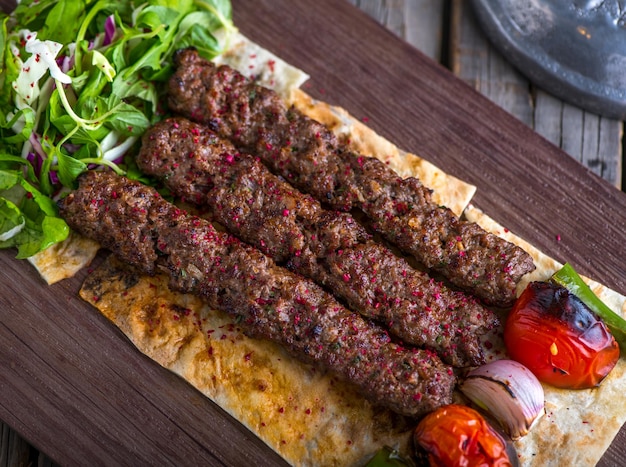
80,84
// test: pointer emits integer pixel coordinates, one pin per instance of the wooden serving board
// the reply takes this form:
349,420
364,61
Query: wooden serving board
74,386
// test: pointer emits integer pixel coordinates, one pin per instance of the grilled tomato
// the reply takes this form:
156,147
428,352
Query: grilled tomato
456,435
559,338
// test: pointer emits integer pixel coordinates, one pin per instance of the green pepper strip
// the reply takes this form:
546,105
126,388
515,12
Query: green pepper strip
569,278
388,457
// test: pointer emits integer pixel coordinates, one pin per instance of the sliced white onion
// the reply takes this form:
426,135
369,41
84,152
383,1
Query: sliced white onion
41,60
509,391
12,232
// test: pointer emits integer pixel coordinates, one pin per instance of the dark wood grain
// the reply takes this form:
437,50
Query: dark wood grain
75,387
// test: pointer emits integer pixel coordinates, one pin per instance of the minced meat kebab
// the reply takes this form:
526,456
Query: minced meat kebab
267,301
327,246
310,157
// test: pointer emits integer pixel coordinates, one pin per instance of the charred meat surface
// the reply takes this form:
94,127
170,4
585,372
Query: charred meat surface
309,156
268,301
327,246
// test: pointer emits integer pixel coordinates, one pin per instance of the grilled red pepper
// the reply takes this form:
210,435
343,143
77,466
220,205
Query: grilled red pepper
559,338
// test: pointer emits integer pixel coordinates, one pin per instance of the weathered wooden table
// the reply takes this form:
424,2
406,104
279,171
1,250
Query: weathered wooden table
446,31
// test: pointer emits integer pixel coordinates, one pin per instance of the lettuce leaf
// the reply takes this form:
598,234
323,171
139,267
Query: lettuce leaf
28,219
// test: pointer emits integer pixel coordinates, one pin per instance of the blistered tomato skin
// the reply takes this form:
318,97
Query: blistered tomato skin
558,338
456,435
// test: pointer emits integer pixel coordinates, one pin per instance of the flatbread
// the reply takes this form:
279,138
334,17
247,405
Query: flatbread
63,260
304,414
578,426
260,64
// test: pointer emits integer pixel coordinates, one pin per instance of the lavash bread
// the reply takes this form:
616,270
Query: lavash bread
305,414
64,259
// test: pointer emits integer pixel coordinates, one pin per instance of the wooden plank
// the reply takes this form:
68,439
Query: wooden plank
80,391
419,22
592,140
14,451
589,138
478,64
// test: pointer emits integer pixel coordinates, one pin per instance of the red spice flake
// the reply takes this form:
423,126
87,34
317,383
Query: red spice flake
281,410
365,119
346,277
285,212
558,237
248,356
307,411
271,64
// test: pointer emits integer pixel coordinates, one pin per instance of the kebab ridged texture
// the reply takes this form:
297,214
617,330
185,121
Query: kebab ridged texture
148,232
311,158
329,247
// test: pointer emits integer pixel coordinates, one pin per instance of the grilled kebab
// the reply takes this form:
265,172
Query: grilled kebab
311,158
268,301
327,246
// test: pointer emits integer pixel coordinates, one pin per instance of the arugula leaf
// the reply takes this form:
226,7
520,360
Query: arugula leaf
129,120
69,168
62,21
